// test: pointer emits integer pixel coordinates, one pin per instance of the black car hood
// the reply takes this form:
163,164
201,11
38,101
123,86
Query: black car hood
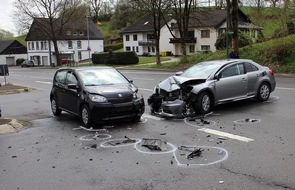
112,90
176,82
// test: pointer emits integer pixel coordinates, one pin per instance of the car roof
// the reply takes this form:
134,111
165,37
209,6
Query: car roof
85,68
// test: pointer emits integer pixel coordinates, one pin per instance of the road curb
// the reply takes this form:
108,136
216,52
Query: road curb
11,126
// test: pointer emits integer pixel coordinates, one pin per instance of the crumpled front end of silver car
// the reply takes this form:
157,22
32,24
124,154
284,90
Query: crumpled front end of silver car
171,97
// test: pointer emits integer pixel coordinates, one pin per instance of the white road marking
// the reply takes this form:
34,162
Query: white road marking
146,89
43,82
228,135
152,117
281,88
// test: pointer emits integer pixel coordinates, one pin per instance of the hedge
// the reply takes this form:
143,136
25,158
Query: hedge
115,58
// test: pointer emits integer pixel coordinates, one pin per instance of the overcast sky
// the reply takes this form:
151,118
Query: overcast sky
6,21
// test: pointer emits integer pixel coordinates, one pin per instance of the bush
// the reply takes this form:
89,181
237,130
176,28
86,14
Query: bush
113,47
115,58
221,41
19,61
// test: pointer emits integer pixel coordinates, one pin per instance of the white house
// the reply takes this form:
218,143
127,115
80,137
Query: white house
10,51
204,29
77,41
139,38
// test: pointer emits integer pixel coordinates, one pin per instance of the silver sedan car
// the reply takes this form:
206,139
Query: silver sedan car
204,85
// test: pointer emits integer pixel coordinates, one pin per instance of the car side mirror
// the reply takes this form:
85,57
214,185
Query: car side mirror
217,77
178,73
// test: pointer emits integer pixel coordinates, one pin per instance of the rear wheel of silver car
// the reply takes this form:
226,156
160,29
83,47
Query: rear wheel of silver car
85,115
54,107
263,92
203,103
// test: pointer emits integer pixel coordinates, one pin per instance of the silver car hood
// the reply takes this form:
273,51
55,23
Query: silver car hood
176,82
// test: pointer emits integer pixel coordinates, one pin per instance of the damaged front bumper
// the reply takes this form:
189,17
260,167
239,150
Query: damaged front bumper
167,109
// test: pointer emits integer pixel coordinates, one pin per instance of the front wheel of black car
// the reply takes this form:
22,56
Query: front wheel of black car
54,107
263,92
85,115
203,103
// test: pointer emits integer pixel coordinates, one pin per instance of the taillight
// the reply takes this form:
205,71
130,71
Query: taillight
271,72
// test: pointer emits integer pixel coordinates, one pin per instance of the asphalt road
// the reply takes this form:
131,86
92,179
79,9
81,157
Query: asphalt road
244,145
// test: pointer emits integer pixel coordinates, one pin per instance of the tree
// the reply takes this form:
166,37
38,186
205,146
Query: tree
232,23
4,34
181,10
155,9
54,15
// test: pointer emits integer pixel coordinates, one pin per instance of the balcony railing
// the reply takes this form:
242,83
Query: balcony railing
147,43
187,40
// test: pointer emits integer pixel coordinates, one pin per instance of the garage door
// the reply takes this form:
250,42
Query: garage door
10,61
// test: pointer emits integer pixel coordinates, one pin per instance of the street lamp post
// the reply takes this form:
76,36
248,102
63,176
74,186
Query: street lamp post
88,47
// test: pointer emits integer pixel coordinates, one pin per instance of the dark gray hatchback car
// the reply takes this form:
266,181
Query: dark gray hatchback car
96,94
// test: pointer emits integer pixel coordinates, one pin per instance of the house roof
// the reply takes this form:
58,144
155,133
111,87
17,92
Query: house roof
74,30
142,25
209,18
213,18
11,46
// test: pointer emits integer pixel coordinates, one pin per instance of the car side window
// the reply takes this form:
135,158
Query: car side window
250,67
71,79
230,71
61,77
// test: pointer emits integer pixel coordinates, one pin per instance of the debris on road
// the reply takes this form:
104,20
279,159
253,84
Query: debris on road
195,153
153,144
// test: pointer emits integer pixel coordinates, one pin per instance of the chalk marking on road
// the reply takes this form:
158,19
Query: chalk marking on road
228,135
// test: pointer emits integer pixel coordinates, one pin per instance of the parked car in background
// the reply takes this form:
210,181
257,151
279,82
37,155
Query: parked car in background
199,88
96,94
28,63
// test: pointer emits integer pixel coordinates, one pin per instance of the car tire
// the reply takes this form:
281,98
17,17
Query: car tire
86,116
203,104
263,92
54,107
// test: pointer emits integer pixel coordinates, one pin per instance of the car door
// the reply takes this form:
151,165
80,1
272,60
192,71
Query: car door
232,83
254,75
59,87
71,95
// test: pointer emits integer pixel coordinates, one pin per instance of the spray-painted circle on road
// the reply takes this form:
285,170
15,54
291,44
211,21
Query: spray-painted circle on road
197,156
119,142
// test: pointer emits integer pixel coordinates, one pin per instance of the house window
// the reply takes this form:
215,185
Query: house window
75,33
42,45
79,46
153,49
205,47
81,33
128,48
205,33
37,45
69,33
133,48
79,55
33,46
192,48
134,37
29,45
70,44
150,36
149,49
191,34
127,37
45,45
136,48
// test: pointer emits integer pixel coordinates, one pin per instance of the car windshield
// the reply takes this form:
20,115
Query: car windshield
99,77
200,70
